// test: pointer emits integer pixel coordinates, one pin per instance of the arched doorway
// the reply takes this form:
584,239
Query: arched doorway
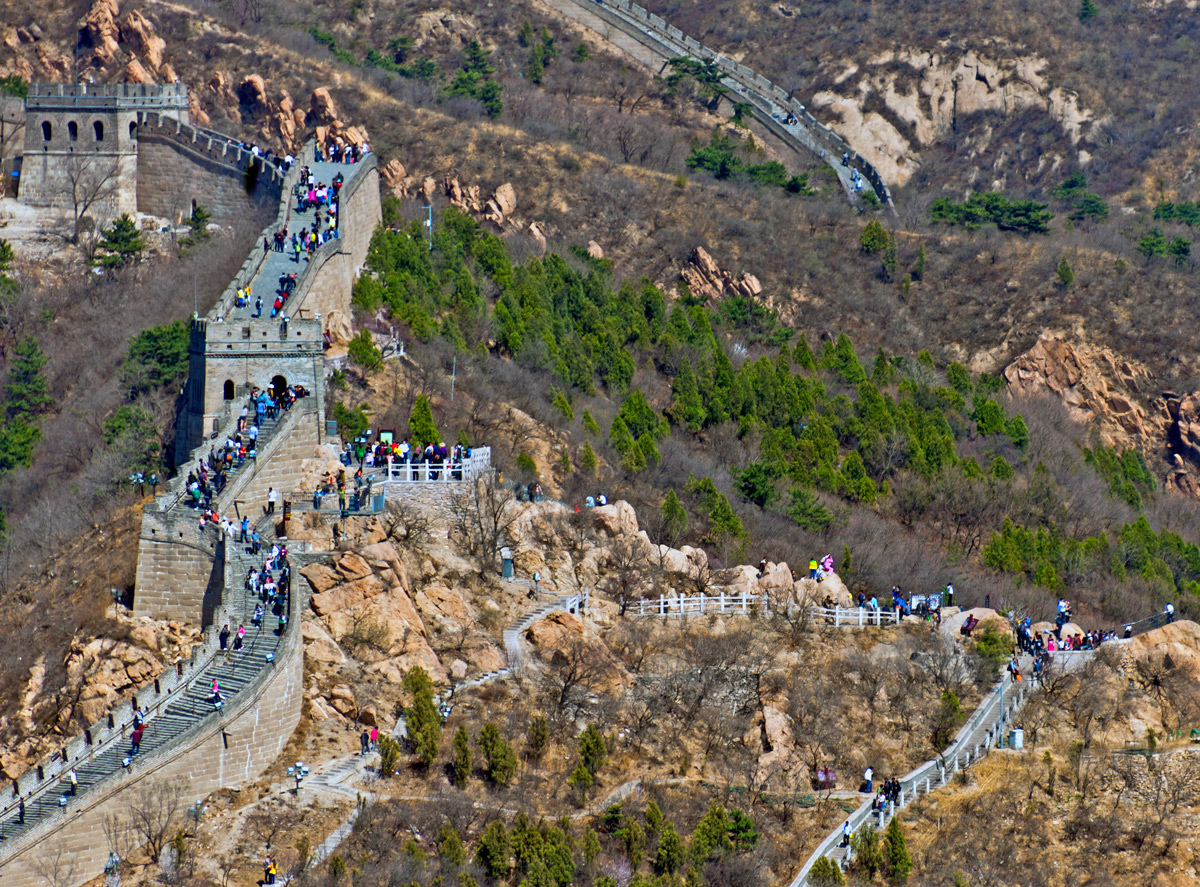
278,386
230,389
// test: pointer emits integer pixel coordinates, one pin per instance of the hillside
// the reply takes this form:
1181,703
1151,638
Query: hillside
630,289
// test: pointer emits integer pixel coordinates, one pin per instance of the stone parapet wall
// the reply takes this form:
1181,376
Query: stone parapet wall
232,747
178,164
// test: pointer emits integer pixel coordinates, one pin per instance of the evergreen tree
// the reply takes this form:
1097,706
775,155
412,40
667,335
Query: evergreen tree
587,459
687,408
122,241
198,224
581,780
1087,10
450,845
867,856
25,392
918,268
989,418
1018,433
803,354
873,237
423,723
500,763
806,510
671,853
899,863
363,351
460,763
538,737
674,517
825,873
1065,275
494,849
592,749
421,428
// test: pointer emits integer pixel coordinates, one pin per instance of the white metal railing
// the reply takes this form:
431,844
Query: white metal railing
742,603
982,731
450,471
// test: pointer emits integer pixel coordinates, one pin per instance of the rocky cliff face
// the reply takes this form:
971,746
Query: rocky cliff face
899,103
1112,394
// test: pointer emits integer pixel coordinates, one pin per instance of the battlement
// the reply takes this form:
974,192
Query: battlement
106,96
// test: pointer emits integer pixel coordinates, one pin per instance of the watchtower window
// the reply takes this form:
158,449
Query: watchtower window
73,131
98,127
133,130
47,131
229,389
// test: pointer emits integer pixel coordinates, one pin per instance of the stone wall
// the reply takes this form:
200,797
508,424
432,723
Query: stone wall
177,164
279,464
232,747
179,570
336,263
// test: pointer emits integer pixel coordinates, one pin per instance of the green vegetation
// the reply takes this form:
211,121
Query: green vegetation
725,159
157,359
26,398
1021,216
345,56
473,79
500,762
14,84
121,242
1186,212
896,858
422,429
423,723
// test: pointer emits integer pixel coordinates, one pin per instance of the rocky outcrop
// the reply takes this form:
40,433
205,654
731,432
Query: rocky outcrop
321,108
139,37
706,279
1185,425
98,31
1096,387
925,93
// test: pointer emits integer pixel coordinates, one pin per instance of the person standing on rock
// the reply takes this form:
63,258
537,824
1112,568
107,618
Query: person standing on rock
365,741
949,595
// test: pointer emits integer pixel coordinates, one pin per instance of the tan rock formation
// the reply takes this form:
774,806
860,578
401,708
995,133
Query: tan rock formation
1095,386
395,178
252,95
135,72
706,279
1185,429
139,37
321,106
99,30
594,250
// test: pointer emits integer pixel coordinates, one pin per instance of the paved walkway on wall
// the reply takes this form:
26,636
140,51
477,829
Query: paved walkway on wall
649,49
233,671
266,282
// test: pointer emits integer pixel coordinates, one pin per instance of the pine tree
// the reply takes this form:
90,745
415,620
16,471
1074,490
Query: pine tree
687,408
918,268
873,237
1087,10
671,853
450,845
899,863
587,459
25,392
867,856
494,849
460,764
592,749
421,428
122,241
500,763
581,780
422,721
825,873
674,517
1066,276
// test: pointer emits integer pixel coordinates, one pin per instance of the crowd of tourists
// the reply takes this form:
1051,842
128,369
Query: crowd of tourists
419,462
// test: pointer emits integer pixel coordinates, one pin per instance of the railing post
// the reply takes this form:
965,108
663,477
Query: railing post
862,614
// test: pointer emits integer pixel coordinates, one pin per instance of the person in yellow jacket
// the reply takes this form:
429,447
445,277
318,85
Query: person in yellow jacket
812,569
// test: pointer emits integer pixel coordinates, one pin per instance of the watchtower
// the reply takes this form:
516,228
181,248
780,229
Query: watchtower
228,358
85,135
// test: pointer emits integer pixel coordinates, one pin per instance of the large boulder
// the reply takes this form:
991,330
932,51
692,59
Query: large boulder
1185,414
321,106
985,615
616,519
138,34
98,29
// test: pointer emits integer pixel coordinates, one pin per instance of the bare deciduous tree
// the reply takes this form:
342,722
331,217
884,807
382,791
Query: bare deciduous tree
57,867
91,180
481,518
155,812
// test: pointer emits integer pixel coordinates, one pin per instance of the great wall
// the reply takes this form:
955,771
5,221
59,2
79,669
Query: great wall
186,572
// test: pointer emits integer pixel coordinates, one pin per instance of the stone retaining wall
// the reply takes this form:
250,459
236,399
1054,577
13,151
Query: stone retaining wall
232,748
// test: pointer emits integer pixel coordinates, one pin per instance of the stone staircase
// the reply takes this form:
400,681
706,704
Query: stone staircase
165,724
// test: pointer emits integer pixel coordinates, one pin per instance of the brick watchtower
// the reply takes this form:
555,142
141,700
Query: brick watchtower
76,134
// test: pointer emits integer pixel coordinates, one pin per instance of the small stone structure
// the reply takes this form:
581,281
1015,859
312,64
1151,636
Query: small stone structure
133,143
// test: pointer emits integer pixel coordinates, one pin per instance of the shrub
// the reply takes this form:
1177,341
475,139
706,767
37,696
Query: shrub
873,237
